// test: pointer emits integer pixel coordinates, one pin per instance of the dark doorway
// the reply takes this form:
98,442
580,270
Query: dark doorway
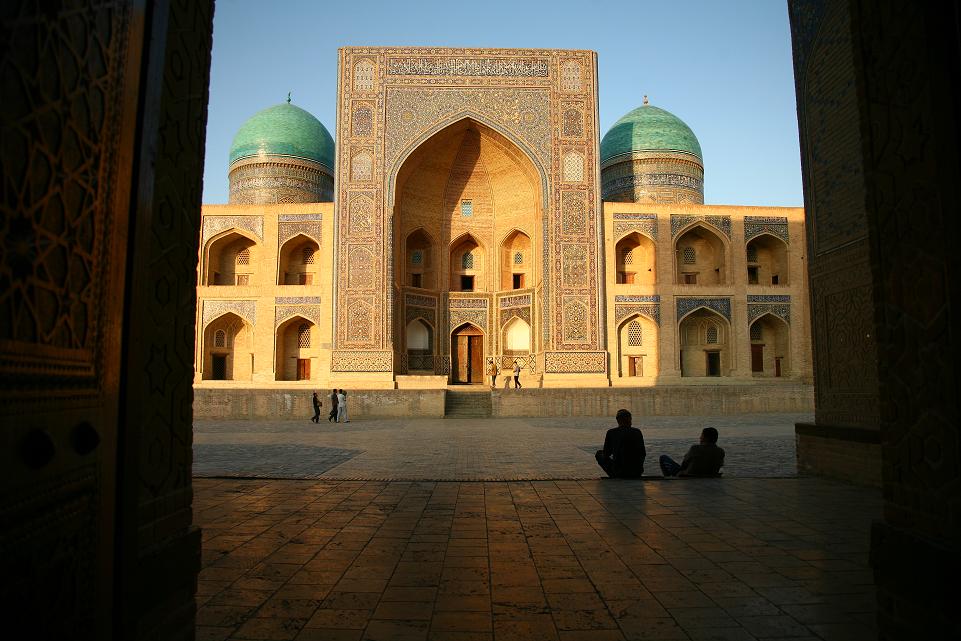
777,366
219,367
757,358
467,355
467,283
713,363
635,366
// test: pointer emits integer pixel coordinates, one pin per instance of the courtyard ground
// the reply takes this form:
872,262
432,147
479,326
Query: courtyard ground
756,445
340,538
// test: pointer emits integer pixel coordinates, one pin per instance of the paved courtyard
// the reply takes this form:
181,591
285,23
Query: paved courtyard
756,445
731,559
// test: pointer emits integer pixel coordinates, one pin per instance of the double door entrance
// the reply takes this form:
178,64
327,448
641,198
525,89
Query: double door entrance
467,355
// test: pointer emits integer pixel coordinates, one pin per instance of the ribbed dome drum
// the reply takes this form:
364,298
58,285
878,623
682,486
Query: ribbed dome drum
651,156
282,154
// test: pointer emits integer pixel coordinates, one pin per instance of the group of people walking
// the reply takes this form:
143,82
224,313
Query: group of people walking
624,453
494,371
338,407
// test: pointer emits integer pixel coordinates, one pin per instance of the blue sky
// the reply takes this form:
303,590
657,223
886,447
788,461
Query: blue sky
723,67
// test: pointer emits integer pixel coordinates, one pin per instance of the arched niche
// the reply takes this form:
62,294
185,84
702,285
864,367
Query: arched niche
516,262
231,259
635,257
467,262
770,347
637,340
700,257
705,339
298,347
516,339
419,337
418,261
767,261
299,261
227,349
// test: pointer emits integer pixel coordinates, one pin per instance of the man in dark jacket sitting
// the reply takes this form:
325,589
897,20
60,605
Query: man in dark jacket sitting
624,451
704,459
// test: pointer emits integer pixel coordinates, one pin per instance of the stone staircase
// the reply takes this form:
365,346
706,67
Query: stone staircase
459,404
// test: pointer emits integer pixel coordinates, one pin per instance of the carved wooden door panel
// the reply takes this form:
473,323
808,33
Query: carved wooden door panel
69,81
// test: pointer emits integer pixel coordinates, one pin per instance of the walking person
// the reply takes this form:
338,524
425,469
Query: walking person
517,374
316,401
493,373
342,407
333,406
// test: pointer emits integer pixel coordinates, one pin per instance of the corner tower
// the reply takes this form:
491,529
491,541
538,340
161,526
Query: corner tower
651,156
282,154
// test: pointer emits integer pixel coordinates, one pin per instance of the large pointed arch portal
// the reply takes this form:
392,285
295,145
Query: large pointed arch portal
483,135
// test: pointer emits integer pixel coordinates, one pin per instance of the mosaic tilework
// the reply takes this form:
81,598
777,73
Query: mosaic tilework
468,303
624,298
477,317
361,361
575,266
576,321
360,215
679,222
573,167
420,301
573,213
299,218
361,166
430,315
362,121
572,122
575,362
360,320
687,304
359,274
213,309
297,300
645,223
283,313
444,66
523,313
756,310
757,225
767,298
651,310
286,231
515,301
571,76
523,112
214,225
364,75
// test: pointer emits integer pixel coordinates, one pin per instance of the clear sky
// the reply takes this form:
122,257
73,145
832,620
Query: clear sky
724,68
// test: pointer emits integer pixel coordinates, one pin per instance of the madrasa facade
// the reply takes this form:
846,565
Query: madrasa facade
470,214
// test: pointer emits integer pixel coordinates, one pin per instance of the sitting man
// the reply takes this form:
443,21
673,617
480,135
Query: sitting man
624,451
704,459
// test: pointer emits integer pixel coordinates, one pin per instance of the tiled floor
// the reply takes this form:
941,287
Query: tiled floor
723,559
757,445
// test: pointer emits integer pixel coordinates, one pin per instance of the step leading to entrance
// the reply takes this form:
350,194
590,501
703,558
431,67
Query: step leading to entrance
473,404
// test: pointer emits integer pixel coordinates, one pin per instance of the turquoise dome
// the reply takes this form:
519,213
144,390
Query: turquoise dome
284,130
649,128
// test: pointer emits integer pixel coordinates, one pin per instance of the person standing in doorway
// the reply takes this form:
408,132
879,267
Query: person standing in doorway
333,406
316,401
517,374
493,373
342,407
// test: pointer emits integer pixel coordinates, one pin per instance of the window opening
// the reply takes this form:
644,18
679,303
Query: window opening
634,334
417,257
757,333
415,280
751,254
303,335
690,278
775,280
690,257
518,258
518,281
307,255
627,256
243,256
467,208
243,279
752,275
220,338
467,260
712,334
467,283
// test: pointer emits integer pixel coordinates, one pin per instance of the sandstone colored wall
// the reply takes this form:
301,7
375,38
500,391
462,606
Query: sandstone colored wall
295,404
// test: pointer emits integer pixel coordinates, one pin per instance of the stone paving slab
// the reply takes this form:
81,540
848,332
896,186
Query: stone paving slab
736,559
756,445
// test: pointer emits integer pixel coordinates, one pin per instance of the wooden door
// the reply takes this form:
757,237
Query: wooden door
303,369
467,355
475,348
757,358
